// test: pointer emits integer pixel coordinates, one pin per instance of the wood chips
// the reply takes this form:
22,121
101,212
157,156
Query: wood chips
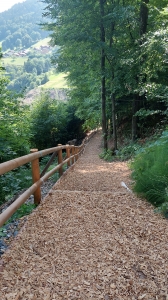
89,239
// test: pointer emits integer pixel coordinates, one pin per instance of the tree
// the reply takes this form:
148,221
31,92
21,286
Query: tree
27,41
114,33
47,122
36,36
20,21
45,79
14,139
18,43
103,80
79,48
53,122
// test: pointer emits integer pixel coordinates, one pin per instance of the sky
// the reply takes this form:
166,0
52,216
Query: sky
6,4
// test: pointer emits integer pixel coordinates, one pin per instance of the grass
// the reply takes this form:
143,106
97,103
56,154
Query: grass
18,61
44,42
15,181
24,210
56,81
150,173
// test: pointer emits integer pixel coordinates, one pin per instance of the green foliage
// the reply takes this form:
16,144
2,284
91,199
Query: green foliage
15,181
48,122
124,153
135,49
43,163
19,25
150,172
22,211
14,127
107,155
128,151
28,73
2,192
53,122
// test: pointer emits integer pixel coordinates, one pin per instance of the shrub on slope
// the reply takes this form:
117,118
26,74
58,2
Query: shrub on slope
150,172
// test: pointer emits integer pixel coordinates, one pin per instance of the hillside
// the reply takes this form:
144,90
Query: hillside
19,26
54,93
26,51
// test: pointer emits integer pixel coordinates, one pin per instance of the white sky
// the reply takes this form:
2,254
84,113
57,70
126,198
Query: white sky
6,4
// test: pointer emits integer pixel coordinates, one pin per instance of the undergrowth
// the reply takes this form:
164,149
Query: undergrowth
125,152
150,173
15,181
106,155
24,210
149,165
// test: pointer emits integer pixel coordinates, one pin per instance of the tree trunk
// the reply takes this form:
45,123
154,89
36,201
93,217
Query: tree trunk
138,99
103,80
114,121
134,118
143,17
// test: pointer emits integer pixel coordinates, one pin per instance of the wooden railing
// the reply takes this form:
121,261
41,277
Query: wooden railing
72,155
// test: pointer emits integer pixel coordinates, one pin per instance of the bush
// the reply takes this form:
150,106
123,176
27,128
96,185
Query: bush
150,172
128,151
52,123
107,155
13,182
24,210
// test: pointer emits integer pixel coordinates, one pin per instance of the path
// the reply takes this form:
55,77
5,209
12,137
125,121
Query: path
89,239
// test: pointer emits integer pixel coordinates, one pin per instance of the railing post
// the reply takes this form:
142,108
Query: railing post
36,177
76,152
60,160
68,155
73,152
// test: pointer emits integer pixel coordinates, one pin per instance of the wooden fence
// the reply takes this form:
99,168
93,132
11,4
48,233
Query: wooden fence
72,155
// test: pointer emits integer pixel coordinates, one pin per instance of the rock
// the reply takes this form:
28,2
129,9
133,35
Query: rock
3,247
2,244
15,233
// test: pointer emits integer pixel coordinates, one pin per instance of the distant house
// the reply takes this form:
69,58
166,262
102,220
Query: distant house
5,55
45,51
22,54
45,47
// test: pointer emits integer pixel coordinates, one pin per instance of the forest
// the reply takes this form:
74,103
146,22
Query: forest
19,26
117,63
33,73
115,55
26,53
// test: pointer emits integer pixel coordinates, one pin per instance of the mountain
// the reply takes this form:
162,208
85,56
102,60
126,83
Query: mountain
26,50
19,26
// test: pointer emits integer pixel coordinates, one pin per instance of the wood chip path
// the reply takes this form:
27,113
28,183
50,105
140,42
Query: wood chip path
89,239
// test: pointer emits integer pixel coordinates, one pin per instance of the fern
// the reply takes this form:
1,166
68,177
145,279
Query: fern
150,172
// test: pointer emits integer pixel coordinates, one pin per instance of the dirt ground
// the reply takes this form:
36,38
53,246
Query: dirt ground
90,238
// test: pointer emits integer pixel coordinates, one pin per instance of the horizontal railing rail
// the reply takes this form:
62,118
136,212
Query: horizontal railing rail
72,155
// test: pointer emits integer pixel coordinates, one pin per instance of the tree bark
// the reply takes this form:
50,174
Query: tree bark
114,121
134,118
103,80
143,17
138,99
113,105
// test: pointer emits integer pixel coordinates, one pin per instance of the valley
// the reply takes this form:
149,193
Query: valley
28,64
